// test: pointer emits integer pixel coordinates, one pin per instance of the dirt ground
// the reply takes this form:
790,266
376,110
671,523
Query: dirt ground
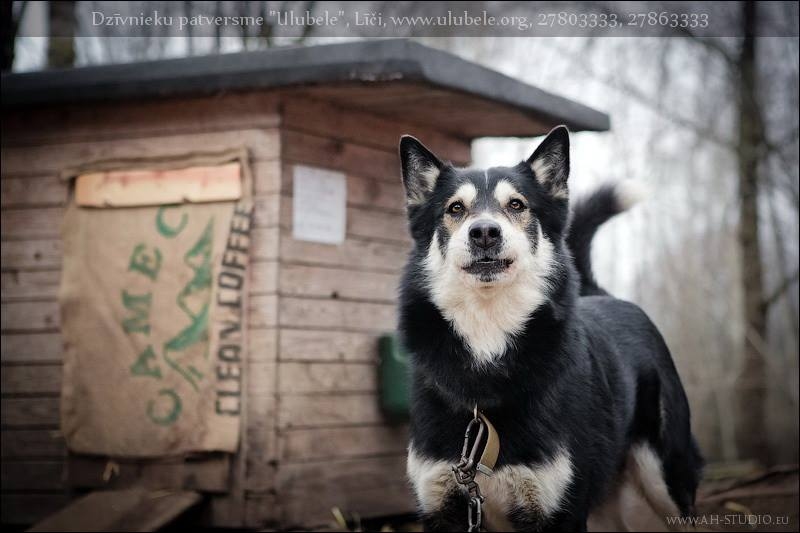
759,502
732,498
739,500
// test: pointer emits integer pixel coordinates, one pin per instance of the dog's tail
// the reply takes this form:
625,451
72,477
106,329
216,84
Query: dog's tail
588,214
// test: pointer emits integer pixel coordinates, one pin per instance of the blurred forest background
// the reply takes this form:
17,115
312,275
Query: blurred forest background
708,125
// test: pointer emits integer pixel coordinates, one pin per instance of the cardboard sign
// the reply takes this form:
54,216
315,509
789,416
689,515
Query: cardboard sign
320,205
153,313
117,188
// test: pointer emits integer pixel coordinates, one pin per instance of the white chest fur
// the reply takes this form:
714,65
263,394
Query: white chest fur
486,317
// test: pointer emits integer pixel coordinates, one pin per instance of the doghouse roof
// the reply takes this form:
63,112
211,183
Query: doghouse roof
394,78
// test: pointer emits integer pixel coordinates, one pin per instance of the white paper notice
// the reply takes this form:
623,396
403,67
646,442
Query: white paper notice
320,205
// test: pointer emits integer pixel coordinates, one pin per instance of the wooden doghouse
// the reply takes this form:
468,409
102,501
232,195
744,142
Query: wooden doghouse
312,435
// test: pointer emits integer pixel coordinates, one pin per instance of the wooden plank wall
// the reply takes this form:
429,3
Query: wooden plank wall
333,304
35,147
313,436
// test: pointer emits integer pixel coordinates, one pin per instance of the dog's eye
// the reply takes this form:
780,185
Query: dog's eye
455,208
516,205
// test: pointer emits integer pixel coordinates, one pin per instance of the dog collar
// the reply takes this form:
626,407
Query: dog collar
473,440
492,448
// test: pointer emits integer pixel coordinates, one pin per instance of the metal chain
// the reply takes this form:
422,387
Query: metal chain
474,513
465,472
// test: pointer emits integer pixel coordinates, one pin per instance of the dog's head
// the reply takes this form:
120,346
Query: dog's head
488,231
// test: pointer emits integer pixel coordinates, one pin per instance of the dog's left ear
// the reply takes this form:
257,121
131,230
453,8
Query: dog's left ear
420,167
550,162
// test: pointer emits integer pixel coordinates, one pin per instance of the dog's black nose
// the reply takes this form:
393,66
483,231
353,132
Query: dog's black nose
484,234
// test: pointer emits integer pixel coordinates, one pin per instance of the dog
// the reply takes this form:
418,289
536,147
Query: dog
500,312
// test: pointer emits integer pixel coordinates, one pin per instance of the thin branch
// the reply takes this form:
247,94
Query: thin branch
636,94
706,42
709,44
780,289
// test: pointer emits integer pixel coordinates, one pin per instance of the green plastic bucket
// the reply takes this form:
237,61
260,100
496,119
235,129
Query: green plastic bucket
394,378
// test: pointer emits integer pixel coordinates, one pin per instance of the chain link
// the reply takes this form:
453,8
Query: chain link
465,472
474,514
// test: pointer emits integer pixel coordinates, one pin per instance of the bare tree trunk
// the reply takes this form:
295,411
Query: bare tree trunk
751,386
187,9
265,30
10,25
61,45
218,29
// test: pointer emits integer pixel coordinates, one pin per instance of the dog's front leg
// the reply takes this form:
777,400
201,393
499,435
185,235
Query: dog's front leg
451,515
442,501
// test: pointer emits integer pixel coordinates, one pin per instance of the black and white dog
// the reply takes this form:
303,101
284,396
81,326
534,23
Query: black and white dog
499,309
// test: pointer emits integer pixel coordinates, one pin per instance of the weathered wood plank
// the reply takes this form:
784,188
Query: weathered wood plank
298,510
26,443
33,191
443,110
27,224
31,254
134,509
344,474
264,244
327,443
263,277
39,159
266,210
259,433
25,285
368,94
366,192
304,378
29,316
261,377
374,486
357,316
378,225
262,345
88,472
354,253
326,410
263,311
300,280
31,348
205,472
225,510
32,475
458,113
31,379
208,473
313,345
321,118
262,511
333,154
143,118
26,508
363,223
29,412
261,439
266,177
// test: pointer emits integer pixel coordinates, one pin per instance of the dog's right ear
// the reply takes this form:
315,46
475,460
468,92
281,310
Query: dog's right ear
550,162
420,167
